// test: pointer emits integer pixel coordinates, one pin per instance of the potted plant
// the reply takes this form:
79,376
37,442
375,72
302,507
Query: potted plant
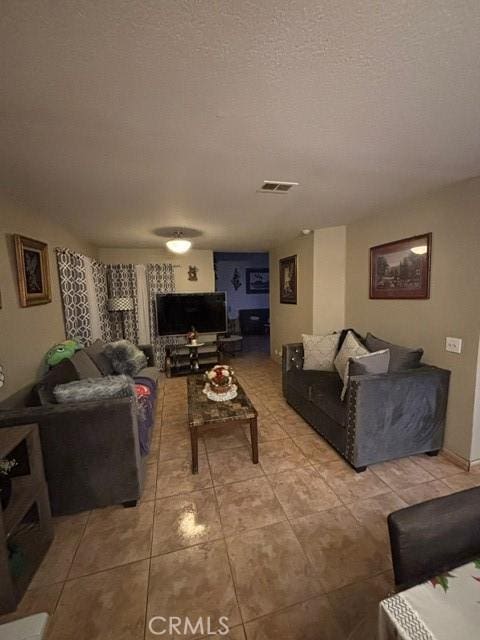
5,481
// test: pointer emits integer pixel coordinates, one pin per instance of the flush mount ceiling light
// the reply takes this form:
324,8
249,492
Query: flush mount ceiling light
178,244
420,250
306,232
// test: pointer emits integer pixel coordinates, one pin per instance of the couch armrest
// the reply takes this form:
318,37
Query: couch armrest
91,451
292,358
435,536
148,351
396,414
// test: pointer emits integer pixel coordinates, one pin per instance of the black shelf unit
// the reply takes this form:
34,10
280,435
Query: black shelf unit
181,360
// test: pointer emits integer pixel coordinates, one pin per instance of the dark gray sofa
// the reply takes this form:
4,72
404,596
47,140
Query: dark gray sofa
434,537
383,416
92,450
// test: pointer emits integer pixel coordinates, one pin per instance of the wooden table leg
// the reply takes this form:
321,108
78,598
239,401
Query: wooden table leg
194,441
254,439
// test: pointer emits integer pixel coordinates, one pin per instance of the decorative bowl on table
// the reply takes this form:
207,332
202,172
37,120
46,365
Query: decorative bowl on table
220,383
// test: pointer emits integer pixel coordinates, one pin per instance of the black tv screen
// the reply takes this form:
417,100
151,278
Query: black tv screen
177,313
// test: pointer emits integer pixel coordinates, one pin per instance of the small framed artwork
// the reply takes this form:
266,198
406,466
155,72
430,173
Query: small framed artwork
32,271
288,280
257,280
401,270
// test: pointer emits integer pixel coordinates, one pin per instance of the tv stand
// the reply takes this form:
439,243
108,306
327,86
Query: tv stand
183,359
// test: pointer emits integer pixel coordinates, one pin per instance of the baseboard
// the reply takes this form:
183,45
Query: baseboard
464,464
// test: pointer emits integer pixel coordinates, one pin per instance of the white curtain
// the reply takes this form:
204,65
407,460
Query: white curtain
143,308
95,323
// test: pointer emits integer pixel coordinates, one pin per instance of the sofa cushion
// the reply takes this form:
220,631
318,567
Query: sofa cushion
152,373
88,389
326,396
343,335
96,352
401,358
371,363
319,351
125,357
61,373
84,366
351,348
322,388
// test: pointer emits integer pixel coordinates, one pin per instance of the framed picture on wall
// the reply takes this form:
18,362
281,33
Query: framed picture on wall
400,270
257,280
288,280
32,271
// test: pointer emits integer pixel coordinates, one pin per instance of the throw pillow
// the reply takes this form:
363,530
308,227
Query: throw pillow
96,352
351,348
125,357
319,351
95,389
371,363
401,358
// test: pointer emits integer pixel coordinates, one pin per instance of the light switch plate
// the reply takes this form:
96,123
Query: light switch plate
454,345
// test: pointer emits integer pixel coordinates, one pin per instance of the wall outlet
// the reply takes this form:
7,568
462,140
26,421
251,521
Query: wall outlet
453,344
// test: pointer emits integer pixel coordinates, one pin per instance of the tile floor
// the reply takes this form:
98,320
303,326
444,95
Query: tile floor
294,548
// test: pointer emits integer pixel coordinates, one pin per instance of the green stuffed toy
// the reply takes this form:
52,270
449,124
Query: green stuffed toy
62,351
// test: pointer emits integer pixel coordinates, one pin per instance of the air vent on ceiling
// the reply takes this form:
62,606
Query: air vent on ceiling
274,186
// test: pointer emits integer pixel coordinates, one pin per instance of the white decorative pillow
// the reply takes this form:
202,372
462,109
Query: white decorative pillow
351,348
319,351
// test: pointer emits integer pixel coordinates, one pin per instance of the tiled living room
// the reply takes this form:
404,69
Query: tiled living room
239,303
294,547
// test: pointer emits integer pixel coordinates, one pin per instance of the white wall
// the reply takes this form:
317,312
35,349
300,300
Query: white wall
329,255
200,258
321,259
453,309
289,321
26,334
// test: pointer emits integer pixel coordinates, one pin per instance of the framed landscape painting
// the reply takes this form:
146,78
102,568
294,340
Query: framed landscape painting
32,271
288,280
257,280
401,270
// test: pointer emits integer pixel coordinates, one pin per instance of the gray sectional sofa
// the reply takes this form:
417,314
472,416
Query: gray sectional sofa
384,416
94,452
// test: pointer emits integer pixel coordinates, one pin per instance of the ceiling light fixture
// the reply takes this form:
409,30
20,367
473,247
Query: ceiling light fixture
306,232
178,244
420,250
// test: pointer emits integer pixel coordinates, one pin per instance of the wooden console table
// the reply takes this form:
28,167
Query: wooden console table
26,529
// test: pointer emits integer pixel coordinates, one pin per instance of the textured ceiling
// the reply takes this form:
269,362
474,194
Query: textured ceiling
118,117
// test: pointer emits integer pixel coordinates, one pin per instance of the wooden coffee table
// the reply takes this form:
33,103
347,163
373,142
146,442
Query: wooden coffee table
205,414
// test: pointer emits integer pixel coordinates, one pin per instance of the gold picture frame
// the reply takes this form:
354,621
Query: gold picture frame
32,271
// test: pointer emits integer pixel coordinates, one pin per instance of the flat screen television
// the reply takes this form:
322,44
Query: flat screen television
177,313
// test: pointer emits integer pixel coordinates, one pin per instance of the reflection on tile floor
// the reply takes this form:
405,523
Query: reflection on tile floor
295,547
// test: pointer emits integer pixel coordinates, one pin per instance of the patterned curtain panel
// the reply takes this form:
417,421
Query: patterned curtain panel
99,272
160,279
122,283
83,286
73,286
